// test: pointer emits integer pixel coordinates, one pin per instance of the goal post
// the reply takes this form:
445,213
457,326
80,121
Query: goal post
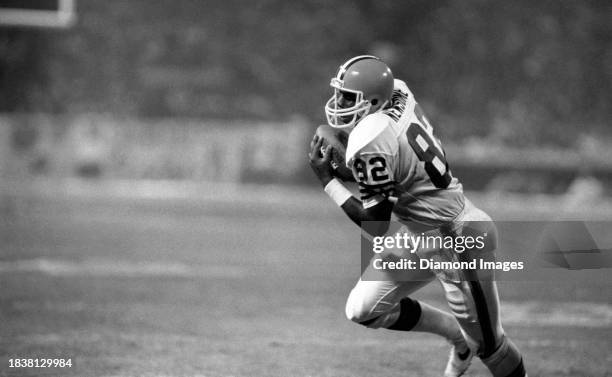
37,13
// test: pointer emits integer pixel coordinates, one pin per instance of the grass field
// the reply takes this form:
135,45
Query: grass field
239,282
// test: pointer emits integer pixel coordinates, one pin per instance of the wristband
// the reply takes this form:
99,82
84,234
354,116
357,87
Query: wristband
338,192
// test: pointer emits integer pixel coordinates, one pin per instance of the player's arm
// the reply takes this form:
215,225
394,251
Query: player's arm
380,210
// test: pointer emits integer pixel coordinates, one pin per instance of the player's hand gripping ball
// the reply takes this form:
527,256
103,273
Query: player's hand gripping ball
338,139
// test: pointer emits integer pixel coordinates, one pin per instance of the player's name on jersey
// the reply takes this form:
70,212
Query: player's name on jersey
430,264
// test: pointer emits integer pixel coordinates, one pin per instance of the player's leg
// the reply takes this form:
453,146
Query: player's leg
380,298
475,303
385,303
499,354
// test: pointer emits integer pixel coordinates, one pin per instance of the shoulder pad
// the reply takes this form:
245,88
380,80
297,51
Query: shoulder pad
367,131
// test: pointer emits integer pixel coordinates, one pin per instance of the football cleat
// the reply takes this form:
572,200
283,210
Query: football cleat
458,362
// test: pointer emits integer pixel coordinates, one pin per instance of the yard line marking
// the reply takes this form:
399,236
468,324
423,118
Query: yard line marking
556,314
100,267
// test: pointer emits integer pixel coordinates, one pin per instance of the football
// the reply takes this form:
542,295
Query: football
338,139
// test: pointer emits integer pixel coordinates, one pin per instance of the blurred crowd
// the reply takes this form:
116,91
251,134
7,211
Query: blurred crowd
519,91
520,72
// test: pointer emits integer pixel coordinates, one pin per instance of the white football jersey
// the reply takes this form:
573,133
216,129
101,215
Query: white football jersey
393,153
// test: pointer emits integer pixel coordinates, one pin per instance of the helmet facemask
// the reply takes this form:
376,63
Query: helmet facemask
346,107
362,85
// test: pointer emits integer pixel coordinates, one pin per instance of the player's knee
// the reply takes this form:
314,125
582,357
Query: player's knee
356,310
359,311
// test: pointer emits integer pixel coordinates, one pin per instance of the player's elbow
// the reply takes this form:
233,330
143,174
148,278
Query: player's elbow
377,218
375,224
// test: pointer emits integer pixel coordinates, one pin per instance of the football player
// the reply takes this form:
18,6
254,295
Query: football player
401,169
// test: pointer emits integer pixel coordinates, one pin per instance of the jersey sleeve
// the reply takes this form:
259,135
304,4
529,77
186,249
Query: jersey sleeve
375,178
373,149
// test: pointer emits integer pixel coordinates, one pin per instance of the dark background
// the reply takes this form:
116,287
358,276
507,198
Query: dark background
522,73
